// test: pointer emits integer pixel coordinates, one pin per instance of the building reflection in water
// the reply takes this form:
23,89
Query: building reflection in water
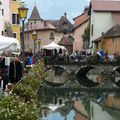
80,105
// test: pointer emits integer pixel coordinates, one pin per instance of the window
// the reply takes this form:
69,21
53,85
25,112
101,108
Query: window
15,19
2,12
30,25
27,36
2,33
34,24
18,20
92,30
28,46
14,35
51,36
113,39
92,112
65,27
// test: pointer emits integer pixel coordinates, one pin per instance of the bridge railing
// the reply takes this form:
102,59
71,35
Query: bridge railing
59,62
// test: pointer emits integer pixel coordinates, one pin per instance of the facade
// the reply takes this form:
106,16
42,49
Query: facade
47,30
109,41
42,27
104,15
15,18
81,22
9,22
5,13
64,29
67,42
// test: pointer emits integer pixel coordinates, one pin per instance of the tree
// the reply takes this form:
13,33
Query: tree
86,37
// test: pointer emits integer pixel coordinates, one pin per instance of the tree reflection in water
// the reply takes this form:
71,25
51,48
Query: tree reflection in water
65,110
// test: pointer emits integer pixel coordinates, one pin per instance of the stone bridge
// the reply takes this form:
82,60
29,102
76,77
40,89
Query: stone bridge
83,77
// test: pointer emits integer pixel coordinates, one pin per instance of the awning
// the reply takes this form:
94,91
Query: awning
9,44
52,46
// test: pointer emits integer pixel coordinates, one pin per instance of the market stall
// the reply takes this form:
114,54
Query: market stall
10,65
52,46
8,44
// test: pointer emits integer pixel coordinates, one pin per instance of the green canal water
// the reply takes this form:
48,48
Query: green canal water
80,105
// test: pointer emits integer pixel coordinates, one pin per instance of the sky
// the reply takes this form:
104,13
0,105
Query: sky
54,9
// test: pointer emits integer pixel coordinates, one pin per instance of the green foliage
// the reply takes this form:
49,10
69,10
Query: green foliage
24,103
87,106
11,108
24,91
33,82
38,71
86,34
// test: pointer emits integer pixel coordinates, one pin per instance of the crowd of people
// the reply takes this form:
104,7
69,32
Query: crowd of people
75,56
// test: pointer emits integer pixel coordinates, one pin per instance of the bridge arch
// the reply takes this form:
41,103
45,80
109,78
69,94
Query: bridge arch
83,79
56,76
115,76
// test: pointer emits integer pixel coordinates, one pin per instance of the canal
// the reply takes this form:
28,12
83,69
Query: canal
67,97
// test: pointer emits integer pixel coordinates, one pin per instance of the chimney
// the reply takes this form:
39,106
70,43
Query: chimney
86,9
65,15
45,23
102,33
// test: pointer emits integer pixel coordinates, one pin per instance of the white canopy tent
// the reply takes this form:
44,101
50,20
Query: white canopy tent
52,46
9,44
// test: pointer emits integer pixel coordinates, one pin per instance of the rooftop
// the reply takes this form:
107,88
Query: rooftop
114,31
35,14
105,5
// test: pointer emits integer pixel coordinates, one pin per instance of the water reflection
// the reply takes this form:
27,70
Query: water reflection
56,76
74,104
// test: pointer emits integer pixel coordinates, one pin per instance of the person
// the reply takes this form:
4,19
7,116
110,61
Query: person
106,56
30,61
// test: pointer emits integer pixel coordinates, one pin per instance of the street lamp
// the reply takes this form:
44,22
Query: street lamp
39,43
34,37
23,15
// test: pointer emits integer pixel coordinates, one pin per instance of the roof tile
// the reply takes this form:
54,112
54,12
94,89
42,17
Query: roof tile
105,5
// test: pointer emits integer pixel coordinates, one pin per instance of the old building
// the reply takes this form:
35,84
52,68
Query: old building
42,27
81,22
15,18
104,15
109,41
9,22
5,15
64,32
47,30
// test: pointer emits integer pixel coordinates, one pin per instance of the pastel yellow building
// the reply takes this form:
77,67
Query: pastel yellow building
109,41
15,18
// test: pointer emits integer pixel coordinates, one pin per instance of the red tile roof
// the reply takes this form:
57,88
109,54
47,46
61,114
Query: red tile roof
81,19
105,5
39,25
65,41
35,14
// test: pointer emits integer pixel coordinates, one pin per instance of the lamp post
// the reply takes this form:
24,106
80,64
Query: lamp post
23,15
39,43
34,37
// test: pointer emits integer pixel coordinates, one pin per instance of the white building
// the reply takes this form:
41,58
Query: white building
104,15
5,14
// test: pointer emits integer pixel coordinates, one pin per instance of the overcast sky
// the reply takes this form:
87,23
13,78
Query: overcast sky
54,9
